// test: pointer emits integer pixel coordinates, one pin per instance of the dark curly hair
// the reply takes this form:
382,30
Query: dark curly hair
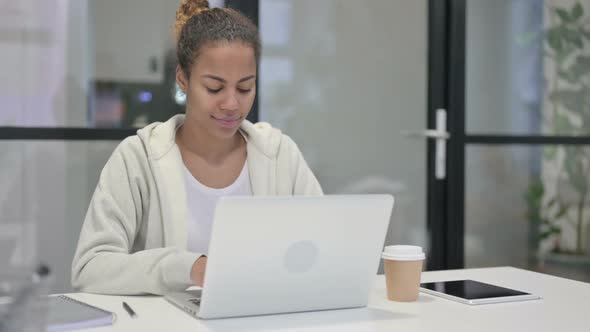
197,25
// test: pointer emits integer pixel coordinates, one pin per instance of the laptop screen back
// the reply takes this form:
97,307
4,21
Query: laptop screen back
287,254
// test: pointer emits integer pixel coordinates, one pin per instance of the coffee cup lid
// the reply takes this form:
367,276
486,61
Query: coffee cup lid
403,253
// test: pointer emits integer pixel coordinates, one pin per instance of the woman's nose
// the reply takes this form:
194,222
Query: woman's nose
230,102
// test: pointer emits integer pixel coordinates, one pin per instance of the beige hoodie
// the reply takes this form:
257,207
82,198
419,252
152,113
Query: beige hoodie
134,236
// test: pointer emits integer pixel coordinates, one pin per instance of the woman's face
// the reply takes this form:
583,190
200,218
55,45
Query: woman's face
221,87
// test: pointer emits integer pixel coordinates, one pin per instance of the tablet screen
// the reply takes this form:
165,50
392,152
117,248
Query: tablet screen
471,289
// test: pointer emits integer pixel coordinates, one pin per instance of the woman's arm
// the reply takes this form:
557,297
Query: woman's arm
103,262
304,181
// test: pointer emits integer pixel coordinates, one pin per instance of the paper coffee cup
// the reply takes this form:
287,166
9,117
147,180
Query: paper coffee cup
403,266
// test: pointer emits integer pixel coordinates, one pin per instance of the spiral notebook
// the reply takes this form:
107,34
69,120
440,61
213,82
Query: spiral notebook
66,314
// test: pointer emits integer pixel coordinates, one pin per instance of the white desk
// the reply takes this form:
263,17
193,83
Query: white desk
565,307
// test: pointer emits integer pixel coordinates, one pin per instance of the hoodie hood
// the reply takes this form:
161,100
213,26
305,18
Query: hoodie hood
159,137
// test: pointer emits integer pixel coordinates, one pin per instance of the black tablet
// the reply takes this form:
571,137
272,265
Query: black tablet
474,292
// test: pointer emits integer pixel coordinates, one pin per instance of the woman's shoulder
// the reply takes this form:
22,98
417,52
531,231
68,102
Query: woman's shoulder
270,140
153,140
131,146
259,130
129,156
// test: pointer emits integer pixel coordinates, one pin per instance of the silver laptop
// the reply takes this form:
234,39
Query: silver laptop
271,255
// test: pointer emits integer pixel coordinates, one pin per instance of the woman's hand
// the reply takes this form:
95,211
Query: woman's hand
198,271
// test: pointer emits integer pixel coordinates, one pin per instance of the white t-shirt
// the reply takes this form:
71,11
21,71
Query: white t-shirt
201,202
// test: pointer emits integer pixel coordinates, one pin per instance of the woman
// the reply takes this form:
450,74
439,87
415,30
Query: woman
148,225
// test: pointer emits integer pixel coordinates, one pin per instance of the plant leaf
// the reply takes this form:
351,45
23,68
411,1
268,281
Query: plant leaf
568,76
580,67
577,11
554,39
574,170
562,211
544,235
578,41
562,125
573,37
550,152
552,230
573,100
563,15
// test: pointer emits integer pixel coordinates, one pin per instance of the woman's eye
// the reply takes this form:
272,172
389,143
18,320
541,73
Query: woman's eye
213,90
244,90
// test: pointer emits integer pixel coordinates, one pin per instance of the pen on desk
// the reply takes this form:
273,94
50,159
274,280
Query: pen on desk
129,310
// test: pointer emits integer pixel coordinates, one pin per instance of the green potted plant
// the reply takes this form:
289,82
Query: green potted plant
558,203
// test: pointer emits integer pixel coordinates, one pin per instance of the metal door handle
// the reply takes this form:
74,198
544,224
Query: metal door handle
440,134
428,133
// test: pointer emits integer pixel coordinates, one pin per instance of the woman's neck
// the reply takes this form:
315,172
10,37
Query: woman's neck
198,141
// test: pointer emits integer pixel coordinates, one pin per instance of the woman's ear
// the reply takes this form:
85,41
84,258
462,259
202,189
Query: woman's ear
181,79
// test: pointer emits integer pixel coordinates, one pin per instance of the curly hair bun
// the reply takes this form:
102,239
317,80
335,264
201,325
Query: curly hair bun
188,9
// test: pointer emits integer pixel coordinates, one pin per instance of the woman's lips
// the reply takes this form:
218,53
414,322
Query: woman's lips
226,123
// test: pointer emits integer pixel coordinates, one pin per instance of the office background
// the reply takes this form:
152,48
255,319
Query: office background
345,79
